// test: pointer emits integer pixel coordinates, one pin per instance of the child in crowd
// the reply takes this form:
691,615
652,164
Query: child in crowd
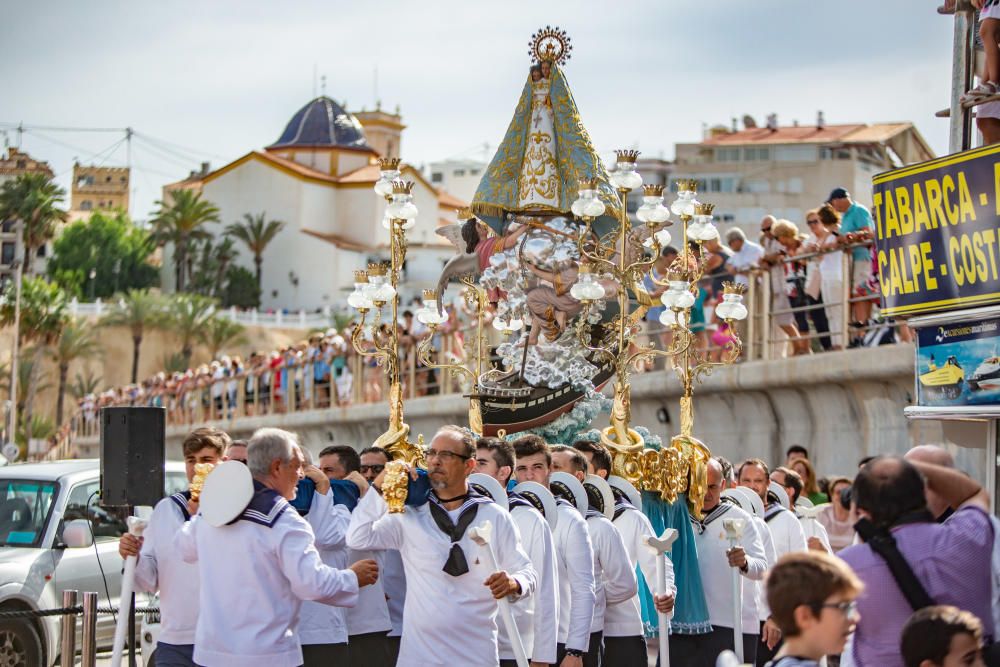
942,636
812,600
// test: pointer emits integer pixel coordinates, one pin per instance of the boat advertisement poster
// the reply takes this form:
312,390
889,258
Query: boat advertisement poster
959,364
937,229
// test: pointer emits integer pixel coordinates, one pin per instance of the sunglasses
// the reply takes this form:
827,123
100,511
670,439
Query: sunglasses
374,469
765,229
812,222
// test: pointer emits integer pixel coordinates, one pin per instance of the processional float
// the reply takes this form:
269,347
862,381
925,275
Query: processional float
550,251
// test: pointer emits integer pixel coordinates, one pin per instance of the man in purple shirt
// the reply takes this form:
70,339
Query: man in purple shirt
951,560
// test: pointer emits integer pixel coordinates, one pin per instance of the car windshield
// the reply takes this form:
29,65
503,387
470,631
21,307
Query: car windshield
24,509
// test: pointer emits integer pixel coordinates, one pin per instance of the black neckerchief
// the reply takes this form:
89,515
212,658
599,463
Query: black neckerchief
266,506
621,502
773,510
714,514
524,500
181,499
456,565
594,513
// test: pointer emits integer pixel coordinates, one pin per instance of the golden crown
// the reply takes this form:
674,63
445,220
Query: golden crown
360,276
585,267
375,269
627,155
430,295
388,164
687,184
652,190
704,209
550,45
402,187
588,183
734,288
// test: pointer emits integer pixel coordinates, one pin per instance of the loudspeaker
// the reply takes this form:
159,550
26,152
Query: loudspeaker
133,453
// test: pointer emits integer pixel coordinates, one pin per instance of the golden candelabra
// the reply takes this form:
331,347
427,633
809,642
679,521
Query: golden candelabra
431,316
375,289
617,263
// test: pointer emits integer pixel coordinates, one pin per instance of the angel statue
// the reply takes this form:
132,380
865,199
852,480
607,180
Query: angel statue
475,246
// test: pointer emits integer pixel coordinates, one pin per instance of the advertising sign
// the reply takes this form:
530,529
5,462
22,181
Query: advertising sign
959,364
937,230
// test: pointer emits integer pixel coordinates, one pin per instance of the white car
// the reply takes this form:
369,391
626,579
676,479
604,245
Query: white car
37,500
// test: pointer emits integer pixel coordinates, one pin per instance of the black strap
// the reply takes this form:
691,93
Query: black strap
456,565
884,544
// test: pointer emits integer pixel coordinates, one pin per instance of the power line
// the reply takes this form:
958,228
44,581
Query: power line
53,128
189,151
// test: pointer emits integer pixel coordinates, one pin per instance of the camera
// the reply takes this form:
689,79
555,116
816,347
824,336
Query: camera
845,498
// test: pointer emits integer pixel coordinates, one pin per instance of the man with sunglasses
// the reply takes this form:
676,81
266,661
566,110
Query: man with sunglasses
450,583
373,460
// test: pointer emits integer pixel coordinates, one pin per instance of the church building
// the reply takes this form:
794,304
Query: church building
317,178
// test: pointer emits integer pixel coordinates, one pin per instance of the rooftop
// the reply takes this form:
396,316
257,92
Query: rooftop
322,123
855,133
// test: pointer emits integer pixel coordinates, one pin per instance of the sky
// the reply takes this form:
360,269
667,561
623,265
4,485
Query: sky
213,80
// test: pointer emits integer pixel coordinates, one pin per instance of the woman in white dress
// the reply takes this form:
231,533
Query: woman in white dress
831,267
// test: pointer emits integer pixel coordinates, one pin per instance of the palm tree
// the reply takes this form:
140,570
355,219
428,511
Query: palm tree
43,317
256,232
137,310
33,199
77,341
180,222
83,384
187,316
221,332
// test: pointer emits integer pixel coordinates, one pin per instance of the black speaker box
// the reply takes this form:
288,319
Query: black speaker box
133,453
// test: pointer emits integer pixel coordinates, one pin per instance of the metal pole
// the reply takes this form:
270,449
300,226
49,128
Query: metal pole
963,63
12,425
68,644
89,641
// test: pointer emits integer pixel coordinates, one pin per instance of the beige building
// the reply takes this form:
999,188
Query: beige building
787,170
318,178
98,189
12,165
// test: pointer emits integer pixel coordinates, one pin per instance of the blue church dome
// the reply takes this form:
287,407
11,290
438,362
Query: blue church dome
322,122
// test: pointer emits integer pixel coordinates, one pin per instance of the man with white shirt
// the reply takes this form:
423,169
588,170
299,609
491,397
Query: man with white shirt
613,571
160,567
537,618
373,461
746,255
817,538
624,639
368,621
716,560
574,553
450,617
786,533
256,571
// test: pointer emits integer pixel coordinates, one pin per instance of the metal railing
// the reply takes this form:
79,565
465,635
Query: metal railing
294,387
274,319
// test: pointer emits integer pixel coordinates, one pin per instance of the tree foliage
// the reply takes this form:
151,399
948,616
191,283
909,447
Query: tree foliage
109,244
180,222
33,199
256,232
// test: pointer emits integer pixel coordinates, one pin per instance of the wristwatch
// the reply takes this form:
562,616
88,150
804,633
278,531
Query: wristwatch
575,652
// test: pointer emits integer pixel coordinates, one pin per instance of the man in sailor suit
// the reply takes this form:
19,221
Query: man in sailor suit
574,556
716,560
159,566
786,534
537,618
256,571
624,637
450,613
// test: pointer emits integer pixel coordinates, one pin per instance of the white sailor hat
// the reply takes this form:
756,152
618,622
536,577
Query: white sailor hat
227,492
747,499
803,502
625,487
487,486
600,492
566,486
780,492
541,498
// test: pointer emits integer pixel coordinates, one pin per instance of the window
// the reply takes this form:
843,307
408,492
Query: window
459,172
8,226
25,506
82,504
436,177
41,251
474,172
756,154
7,251
107,179
795,153
727,154
86,205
